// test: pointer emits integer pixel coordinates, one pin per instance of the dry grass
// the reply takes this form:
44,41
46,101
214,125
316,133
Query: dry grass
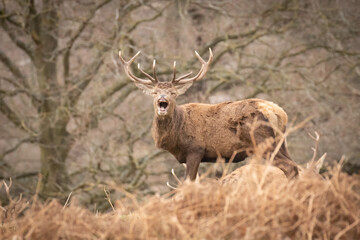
305,208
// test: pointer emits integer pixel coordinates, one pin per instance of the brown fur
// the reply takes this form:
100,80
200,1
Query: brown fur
197,133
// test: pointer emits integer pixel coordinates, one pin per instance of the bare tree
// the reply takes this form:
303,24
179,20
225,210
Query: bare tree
59,77
50,34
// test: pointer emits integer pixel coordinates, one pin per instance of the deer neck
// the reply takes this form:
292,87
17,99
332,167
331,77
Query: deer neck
164,128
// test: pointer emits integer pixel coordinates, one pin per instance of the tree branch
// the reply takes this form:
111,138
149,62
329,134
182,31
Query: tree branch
33,22
237,46
26,48
12,93
92,121
14,118
24,87
31,139
84,78
66,58
227,37
124,93
134,26
6,93
113,89
11,81
8,17
13,68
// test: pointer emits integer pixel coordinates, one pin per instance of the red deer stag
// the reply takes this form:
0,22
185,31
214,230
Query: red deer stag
197,132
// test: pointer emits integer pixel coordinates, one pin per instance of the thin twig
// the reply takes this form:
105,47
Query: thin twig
67,200
109,200
316,138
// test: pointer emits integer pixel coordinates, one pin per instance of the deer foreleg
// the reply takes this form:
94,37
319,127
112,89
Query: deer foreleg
192,166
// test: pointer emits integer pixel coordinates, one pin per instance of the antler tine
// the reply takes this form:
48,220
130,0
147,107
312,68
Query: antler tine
131,60
205,64
146,74
183,77
154,71
179,78
204,68
174,72
130,74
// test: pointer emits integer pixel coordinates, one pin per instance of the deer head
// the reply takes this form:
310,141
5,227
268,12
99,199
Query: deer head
165,93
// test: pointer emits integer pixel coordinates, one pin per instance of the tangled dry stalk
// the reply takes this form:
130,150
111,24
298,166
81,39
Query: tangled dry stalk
305,208
260,204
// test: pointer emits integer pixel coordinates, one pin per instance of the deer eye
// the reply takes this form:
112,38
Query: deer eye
173,93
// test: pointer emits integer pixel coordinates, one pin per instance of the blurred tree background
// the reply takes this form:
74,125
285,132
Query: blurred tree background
71,121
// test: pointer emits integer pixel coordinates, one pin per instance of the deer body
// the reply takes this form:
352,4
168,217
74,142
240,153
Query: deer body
196,132
212,129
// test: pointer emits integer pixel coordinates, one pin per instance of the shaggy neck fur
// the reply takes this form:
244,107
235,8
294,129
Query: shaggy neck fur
165,127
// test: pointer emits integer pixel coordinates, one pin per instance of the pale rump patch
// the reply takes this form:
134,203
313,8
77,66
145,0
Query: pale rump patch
275,114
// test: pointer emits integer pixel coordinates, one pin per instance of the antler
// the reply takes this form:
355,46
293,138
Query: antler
204,68
153,80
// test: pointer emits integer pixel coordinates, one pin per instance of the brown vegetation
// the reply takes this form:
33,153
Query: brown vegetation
305,208
69,114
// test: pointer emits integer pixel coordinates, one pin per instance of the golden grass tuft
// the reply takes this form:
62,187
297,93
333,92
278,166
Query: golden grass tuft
305,208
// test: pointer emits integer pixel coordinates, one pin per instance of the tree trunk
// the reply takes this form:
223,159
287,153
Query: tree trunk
55,144
55,141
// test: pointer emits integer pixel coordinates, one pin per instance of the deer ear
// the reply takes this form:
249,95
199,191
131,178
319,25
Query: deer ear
147,89
183,87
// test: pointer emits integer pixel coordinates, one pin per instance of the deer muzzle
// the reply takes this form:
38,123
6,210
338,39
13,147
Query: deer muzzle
163,106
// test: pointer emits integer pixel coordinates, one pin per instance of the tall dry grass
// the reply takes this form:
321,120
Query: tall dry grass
304,208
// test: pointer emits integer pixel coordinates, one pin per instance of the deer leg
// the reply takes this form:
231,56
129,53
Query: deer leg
192,165
287,166
283,161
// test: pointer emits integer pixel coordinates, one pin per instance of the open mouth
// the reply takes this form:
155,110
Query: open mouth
162,106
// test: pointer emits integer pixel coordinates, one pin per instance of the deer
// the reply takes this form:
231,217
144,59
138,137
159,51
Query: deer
198,132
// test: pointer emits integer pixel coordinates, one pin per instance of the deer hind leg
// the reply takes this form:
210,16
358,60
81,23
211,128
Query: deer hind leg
265,142
283,161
